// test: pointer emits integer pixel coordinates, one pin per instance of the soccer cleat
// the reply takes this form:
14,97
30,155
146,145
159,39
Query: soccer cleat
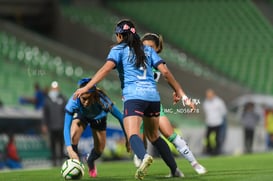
142,170
199,169
93,172
137,161
178,173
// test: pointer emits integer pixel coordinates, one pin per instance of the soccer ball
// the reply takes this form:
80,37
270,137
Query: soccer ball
72,169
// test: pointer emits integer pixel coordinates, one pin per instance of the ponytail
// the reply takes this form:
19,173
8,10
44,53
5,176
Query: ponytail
127,29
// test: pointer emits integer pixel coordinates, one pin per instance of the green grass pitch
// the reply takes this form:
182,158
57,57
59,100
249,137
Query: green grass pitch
230,168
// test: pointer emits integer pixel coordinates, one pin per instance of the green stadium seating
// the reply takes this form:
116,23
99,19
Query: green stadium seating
232,37
22,65
103,20
97,18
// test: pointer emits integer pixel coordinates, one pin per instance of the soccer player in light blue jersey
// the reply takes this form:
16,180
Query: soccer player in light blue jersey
156,42
90,108
134,63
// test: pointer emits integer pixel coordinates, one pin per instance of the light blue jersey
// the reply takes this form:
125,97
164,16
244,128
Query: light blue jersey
136,83
93,112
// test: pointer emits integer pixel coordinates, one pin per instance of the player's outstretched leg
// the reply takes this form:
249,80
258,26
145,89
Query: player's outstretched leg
185,151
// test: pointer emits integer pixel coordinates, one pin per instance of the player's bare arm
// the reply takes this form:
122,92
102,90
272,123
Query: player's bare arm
178,91
101,73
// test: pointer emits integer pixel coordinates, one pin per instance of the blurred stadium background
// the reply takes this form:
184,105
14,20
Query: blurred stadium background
225,45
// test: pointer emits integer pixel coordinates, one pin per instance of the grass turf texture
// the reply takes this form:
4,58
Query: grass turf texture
230,168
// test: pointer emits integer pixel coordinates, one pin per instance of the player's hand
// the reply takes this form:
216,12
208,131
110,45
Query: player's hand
193,107
72,154
176,98
186,101
79,92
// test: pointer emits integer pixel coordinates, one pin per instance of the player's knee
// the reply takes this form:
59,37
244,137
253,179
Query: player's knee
152,136
74,138
99,150
74,141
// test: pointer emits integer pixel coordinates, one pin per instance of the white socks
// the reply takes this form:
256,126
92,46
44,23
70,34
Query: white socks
183,149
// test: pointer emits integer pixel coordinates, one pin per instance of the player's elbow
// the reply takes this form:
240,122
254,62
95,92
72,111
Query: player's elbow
166,74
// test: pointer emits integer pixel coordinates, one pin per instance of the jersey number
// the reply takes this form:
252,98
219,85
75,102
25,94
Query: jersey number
144,73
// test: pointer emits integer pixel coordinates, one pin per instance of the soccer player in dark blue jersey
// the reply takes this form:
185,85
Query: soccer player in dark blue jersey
134,63
90,108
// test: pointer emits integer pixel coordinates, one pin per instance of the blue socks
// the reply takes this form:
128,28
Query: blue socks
162,147
137,146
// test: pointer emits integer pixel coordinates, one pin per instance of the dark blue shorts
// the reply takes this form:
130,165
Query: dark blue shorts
141,108
99,124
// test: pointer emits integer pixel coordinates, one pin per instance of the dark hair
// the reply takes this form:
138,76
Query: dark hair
95,98
157,39
84,81
96,94
83,84
127,29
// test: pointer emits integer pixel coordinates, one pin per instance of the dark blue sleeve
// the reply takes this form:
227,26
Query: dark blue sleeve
156,59
67,125
117,114
114,54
